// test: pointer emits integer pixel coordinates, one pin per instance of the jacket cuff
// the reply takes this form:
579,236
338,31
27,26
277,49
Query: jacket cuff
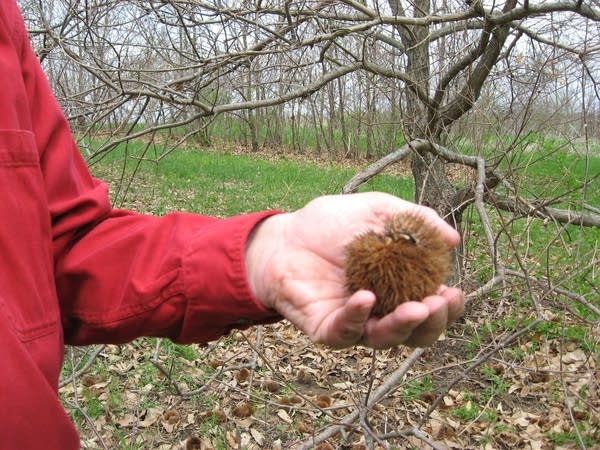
219,297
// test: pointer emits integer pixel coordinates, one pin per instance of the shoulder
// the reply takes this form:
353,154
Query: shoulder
12,26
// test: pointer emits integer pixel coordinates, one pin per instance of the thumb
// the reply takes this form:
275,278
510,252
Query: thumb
348,324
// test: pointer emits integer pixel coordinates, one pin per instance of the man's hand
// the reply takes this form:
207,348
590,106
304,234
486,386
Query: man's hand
295,265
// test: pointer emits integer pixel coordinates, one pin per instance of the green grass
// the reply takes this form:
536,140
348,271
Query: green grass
94,407
187,352
545,166
559,175
497,386
223,184
562,438
467,412
414,389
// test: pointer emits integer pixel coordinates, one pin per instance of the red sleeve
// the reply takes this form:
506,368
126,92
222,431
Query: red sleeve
120,275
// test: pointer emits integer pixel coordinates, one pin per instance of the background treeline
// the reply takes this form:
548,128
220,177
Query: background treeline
324,75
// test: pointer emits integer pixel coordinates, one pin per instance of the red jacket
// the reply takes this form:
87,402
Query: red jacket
73,270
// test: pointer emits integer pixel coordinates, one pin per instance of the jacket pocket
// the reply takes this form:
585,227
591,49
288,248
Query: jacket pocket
27,292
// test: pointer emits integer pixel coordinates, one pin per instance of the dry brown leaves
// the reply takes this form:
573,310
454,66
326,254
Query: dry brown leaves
272,389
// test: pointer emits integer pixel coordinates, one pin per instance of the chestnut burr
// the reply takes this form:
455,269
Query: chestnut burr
407,262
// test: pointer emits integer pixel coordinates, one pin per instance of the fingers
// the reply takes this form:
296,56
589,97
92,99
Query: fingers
428,332
456,303
390,204
347,326
448,233
396,327
416,324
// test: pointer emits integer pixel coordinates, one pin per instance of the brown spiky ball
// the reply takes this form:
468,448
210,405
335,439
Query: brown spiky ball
407,262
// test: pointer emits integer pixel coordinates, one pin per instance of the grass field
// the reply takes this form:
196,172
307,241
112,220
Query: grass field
223,183
538,390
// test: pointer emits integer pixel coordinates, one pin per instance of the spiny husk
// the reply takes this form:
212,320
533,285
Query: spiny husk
408,262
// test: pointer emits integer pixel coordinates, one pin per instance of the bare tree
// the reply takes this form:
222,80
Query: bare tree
170,64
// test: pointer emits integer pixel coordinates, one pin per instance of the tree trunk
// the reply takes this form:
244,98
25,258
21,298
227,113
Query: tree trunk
432,186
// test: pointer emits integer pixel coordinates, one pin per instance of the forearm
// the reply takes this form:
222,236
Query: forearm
181,276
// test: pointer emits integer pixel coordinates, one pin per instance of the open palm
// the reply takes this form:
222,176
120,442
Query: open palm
296,266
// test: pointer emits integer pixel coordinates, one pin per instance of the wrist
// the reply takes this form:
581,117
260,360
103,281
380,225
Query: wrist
262,247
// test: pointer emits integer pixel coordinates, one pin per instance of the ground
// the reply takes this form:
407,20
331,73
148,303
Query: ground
493,381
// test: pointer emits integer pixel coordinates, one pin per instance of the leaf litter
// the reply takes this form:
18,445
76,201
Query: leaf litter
270,387
539,396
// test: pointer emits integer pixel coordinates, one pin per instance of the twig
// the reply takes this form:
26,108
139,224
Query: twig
413,431
476,363
256,347
378,166
388,385
547,284
156,349
363,420
87,365
167,374
370,375
75,403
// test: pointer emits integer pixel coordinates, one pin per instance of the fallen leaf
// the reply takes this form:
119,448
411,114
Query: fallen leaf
343,385
258,437
232,439
126,421
150,417
283,415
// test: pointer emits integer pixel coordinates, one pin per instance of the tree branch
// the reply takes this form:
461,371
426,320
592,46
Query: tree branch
378,166
538,209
